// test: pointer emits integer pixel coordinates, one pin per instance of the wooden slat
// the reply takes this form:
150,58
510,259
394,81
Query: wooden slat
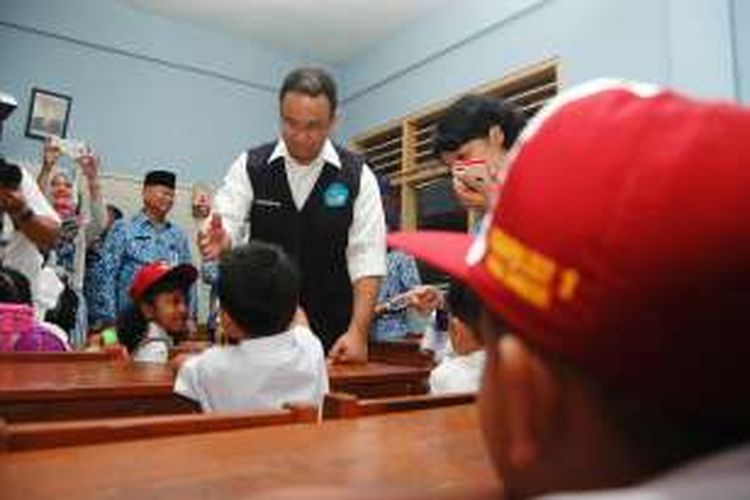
27,436
381,145
54,357
548,89
386,155
338,405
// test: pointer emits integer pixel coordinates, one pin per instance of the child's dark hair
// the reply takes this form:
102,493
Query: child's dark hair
471,117
14,287
131,324
259,288
464,304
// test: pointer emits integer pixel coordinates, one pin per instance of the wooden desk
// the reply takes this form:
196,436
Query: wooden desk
426,454
406,351
67,390
376,379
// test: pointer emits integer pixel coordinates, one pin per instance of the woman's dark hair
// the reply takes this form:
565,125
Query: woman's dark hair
14,287
259,288
471,117
131,324
310,82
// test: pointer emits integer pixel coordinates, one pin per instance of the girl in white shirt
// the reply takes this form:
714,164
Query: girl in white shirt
159,311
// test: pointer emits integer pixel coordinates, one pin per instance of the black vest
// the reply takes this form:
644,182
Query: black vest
316,236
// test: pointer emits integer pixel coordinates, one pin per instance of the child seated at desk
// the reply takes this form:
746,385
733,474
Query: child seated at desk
271,359
462,371
159,312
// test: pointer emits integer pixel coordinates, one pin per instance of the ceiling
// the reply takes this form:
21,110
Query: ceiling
329,31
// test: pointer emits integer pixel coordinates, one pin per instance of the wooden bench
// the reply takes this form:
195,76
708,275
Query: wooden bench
37,435
406,351
56,357
65,390
375,379
342,405
435,453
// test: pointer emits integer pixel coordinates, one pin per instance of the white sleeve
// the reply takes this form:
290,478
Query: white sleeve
233,200
187,382
439,379
365,253
35,199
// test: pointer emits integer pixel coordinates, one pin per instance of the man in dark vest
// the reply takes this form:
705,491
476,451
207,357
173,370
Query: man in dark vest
320,203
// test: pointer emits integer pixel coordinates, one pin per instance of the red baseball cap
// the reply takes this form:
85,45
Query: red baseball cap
621,244
157,272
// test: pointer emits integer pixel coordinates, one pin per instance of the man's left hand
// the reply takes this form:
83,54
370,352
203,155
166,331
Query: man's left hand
351,347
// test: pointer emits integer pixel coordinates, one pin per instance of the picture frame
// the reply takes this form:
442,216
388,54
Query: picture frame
48,114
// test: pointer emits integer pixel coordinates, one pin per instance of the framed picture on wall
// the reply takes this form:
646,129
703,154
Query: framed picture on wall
48,114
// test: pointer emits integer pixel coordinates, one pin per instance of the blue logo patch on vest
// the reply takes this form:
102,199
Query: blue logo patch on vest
336,195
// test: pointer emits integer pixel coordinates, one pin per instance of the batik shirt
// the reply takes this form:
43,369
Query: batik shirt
131,244
401,277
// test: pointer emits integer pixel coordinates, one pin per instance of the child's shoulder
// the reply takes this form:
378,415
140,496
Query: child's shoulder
305,336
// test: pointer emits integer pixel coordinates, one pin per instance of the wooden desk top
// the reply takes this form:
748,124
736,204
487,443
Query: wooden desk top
39,381
425,454
31,381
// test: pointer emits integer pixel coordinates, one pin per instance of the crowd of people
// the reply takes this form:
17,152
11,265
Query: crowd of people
598,303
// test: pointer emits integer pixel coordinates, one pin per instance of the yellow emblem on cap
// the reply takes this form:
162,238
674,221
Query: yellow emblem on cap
526,272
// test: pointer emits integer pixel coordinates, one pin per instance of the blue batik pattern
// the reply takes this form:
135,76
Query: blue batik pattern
129,245
402,276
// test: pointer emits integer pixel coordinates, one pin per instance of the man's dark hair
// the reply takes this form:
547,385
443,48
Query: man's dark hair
310,82
471,117
259,288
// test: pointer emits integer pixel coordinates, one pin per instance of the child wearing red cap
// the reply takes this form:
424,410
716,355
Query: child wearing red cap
619,255
273,357
159,312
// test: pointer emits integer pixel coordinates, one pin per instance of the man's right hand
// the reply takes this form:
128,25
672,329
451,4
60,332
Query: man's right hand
213,239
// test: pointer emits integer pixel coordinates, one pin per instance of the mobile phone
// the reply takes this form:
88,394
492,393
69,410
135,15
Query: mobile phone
70,147
10,175
397,303
442,317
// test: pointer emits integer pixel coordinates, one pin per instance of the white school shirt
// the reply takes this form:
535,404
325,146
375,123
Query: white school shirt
458,373
260,373
155,347
365,252
720,476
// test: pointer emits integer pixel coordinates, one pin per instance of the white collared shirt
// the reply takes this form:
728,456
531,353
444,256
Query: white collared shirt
260,373
365,253
155,347
460,373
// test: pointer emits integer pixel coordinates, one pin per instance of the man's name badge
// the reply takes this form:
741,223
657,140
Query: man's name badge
336,195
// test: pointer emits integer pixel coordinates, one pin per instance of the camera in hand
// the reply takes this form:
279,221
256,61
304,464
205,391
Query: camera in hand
10,175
